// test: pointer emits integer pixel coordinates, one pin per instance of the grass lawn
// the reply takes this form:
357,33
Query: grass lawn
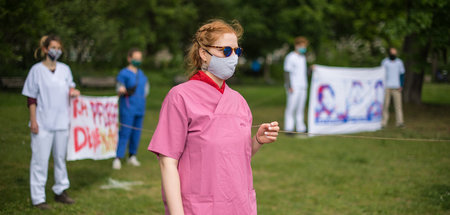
320,175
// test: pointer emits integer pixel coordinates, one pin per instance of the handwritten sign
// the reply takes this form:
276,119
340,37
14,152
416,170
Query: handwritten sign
93,128
345,100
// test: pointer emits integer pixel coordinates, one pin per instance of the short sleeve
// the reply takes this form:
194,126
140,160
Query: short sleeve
383,62
170,135
147,89
121,78
70,78
31,87
402,67
289,64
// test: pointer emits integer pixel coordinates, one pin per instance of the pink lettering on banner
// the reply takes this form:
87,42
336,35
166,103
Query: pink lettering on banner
95,139
104,113
79,108
111,114
94,131
78,145
89,138
96,112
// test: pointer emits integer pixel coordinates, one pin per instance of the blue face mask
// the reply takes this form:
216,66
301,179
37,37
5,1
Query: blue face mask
302,50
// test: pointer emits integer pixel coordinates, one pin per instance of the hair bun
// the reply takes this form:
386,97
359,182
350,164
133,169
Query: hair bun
42,41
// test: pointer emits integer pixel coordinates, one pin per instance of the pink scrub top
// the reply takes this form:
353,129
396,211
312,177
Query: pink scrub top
209,133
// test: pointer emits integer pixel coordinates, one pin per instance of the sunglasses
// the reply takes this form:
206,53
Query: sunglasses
227,50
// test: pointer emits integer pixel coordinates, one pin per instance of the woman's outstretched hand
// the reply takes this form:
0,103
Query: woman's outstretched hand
267,132
74,92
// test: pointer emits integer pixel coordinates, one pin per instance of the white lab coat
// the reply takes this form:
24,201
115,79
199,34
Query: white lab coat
52,114
52,93
295,65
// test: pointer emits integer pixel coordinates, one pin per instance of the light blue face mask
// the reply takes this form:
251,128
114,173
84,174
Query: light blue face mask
223,68
302,50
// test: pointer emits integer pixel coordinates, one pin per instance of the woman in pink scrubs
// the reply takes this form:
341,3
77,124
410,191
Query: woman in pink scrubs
203,138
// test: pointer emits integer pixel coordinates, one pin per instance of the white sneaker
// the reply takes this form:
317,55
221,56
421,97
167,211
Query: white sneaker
116,164
133,161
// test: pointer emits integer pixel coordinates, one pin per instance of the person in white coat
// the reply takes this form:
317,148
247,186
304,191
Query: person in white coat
48,86
296,84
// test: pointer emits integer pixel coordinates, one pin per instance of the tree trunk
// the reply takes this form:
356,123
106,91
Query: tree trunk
266,70
414,75
412,91
434,65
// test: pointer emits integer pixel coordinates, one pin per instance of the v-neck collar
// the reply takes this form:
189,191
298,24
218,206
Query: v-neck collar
49,70
201,76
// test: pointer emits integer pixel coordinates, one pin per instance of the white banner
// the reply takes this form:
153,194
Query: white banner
345,100
93,128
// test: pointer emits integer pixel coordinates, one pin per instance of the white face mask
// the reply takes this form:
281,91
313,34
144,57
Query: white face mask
223,68
54,54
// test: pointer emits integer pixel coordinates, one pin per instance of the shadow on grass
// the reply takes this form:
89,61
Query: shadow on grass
438,195
85,173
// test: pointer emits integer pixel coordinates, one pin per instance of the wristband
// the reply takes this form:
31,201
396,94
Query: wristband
256,138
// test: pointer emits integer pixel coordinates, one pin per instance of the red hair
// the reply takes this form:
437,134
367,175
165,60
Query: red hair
207,34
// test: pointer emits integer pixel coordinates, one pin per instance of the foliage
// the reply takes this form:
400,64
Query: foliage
97,34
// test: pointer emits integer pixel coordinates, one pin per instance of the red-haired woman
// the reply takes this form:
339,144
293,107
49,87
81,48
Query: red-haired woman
203,138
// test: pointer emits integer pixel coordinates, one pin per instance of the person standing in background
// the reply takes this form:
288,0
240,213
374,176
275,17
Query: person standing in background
48,86
133,88
296,84
394,70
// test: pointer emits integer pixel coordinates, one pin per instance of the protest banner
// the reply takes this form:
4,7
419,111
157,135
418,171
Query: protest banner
345,100
93,128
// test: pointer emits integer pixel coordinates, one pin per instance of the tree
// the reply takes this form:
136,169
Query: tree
23,23
270,24
426,34
97,34
419,27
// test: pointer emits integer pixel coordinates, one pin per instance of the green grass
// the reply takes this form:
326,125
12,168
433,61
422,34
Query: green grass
436,93
320,175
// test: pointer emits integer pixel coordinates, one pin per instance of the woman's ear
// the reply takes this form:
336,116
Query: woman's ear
44,50
203,54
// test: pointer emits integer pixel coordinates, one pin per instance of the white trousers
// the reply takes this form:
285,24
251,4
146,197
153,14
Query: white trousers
295,107
41,146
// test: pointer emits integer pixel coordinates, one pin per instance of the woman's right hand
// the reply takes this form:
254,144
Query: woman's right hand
34,127
122,90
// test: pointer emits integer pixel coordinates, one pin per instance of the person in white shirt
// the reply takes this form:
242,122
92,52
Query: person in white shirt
48,86
296,84
393,84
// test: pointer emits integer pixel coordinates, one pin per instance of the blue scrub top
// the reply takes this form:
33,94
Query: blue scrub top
134,104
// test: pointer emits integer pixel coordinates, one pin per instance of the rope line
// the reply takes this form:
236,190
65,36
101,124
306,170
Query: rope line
326,135
135,128
360,136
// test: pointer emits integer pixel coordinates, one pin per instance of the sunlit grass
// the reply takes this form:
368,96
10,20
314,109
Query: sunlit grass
320,175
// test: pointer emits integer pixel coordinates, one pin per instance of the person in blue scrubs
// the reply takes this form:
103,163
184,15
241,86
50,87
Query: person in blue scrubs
133,88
